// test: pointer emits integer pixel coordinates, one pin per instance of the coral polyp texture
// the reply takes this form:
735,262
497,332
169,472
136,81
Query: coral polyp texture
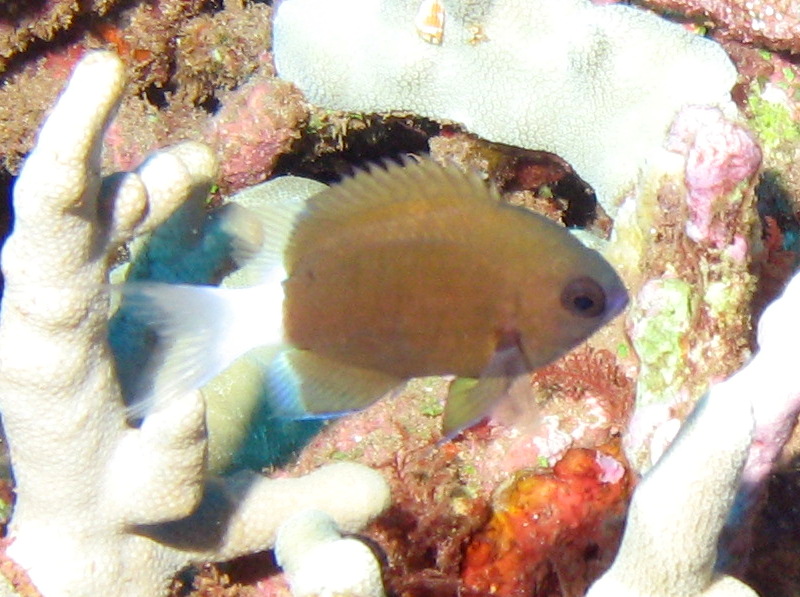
565,77
104,508
320,562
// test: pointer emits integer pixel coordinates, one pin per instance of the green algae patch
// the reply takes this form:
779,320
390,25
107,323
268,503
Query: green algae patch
664,315
772,122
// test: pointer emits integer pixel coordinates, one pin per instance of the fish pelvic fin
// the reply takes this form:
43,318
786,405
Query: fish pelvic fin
302,384
198,332
469,400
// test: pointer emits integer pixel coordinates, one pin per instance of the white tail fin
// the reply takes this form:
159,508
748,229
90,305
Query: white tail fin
200,331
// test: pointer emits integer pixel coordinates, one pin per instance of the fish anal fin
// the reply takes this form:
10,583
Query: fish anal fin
304,384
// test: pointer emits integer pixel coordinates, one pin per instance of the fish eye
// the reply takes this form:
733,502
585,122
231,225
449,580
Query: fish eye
584,297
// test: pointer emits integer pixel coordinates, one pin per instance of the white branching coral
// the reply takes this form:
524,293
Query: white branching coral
599,86
320,562
728,445
104,508
678,511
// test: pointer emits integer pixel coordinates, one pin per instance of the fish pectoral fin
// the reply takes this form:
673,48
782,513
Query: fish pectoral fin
469,400
303,384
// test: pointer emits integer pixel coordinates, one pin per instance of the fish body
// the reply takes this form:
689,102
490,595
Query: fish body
434,296
402,272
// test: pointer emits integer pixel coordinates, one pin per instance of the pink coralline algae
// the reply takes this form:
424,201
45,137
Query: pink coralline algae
720,155
255,125
772,24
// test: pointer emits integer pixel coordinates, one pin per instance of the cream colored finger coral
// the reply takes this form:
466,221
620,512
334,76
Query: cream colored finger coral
104,508
320,562
677,513
723,452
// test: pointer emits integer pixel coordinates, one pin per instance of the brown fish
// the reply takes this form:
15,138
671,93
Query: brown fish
397,272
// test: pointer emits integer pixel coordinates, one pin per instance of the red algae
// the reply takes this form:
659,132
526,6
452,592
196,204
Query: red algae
552,533
589,373
441,490
181,57
769,24
243,577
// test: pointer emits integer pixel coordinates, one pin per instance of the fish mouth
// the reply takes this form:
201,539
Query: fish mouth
616,302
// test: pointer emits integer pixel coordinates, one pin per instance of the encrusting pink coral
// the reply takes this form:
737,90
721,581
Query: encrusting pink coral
719,156
255,124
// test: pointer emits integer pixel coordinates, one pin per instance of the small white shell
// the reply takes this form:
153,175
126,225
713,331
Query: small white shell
430,21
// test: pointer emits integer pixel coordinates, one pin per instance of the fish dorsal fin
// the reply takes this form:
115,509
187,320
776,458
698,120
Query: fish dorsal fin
380,194
302,384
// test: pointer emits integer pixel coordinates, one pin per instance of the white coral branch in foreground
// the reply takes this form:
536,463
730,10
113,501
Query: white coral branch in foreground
103,508
734,434
677,513
320,562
